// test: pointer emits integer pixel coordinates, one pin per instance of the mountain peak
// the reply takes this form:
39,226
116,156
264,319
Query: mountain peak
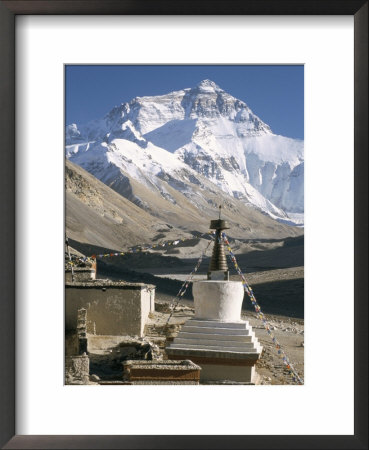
203,129
208,86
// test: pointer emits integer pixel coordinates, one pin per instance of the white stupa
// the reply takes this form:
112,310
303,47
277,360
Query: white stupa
216,338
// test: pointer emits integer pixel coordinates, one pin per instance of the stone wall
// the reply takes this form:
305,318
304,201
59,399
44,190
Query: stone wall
113,308
80,274
77,369
147,303
161,372
82,331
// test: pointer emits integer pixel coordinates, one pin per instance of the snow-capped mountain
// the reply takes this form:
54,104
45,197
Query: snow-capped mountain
193,140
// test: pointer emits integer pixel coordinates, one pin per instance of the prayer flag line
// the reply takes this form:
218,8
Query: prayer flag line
295,376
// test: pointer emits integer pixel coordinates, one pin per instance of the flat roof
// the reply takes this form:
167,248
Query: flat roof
100,283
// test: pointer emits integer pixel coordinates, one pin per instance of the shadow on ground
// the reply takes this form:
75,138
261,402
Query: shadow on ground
281,297
110,365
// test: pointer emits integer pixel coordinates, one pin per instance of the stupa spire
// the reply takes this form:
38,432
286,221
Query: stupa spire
218,268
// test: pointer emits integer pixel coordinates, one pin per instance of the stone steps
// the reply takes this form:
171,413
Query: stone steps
209,343
242,325
197,334
216,336
189,328
245,348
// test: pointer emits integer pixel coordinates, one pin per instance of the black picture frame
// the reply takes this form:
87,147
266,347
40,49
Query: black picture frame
8,12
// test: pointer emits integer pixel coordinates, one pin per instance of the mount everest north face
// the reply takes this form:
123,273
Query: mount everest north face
193,141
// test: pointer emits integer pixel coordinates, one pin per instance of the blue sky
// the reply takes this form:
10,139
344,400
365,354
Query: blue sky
274,93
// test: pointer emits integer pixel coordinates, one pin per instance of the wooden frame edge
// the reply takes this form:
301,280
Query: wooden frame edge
8,11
